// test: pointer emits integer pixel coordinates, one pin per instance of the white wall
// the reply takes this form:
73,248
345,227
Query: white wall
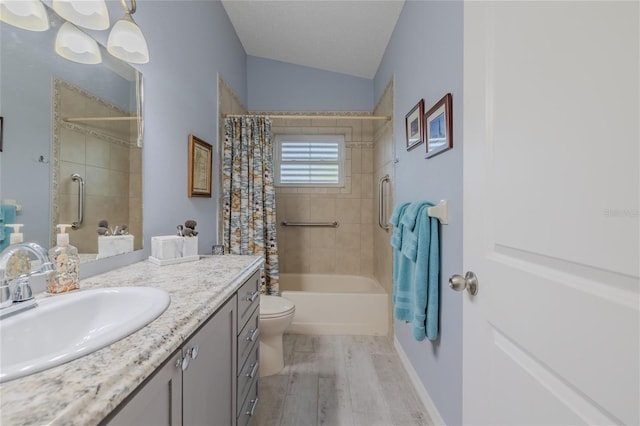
425,57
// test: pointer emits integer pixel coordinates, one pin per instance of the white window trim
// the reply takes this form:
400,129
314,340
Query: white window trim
310,138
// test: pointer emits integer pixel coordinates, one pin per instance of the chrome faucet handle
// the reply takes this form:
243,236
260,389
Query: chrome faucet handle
5,296
22,291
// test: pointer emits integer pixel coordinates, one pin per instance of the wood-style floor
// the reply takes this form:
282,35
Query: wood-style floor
339,380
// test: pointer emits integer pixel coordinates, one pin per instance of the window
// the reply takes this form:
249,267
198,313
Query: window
309,160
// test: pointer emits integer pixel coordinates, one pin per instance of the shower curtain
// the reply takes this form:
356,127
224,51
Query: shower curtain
249,196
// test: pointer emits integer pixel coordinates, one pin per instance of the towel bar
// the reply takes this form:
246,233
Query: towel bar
333,224
441,211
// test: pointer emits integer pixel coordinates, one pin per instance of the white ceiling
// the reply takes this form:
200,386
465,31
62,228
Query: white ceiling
345,36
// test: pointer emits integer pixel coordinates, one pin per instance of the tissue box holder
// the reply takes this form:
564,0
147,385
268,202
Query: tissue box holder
170,249
114,245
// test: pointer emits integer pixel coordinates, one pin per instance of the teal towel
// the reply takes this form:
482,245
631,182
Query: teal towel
416,277
410,216
397,213
396,234
7,215
405,267
433,287
409,221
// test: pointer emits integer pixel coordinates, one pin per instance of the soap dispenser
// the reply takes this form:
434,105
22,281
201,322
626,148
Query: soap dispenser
20,262
66,261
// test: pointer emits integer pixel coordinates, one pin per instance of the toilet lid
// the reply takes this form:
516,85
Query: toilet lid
275,306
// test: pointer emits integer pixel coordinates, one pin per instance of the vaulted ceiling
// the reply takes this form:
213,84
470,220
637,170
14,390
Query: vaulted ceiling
345,36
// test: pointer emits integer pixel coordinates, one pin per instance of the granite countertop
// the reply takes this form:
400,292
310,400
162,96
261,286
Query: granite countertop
85,391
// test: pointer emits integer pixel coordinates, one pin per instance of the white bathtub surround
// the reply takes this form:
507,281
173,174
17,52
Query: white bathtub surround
84,391
336,304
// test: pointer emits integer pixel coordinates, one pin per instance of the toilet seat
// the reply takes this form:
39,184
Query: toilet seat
275,307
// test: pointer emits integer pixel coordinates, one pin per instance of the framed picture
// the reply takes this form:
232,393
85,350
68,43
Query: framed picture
415,125
439,127
200,161
1,128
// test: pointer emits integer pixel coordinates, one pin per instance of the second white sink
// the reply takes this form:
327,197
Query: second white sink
67,327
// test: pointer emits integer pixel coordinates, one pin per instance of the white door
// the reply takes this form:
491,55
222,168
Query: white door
551,183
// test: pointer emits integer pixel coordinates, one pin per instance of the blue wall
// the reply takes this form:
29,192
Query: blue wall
424,56
278,86
190,42
28,64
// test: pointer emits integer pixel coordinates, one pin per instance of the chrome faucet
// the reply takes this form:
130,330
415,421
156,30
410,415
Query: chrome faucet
21,297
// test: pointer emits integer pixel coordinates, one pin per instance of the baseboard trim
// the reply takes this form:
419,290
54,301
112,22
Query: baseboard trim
417,384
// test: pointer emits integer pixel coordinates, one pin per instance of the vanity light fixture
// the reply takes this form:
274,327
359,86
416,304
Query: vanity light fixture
77,46
91,14
26,14
126,41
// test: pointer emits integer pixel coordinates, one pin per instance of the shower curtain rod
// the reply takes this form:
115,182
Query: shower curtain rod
335,117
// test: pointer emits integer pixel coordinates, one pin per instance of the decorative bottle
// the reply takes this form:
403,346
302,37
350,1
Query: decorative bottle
66,261
20,262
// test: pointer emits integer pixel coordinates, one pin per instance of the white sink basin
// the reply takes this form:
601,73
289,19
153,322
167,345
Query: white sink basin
67,327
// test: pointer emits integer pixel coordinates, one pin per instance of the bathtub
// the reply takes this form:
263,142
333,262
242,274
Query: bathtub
336,304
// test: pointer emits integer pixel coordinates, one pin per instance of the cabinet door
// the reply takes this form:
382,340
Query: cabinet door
158,402
209,385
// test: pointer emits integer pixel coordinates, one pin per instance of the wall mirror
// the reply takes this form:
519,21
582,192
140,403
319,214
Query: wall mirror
72,141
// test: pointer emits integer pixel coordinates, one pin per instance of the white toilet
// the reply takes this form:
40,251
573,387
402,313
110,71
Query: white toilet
276,314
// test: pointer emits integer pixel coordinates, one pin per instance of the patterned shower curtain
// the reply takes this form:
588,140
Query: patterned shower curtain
249,203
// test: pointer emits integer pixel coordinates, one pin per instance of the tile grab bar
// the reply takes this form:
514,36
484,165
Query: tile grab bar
382,221
333,224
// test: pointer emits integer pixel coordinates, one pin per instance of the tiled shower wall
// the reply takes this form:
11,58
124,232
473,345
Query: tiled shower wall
106,155
384,161
347,249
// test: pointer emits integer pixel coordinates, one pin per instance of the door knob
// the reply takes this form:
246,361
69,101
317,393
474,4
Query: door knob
469,281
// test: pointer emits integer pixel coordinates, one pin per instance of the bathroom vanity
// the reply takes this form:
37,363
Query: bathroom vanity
197,362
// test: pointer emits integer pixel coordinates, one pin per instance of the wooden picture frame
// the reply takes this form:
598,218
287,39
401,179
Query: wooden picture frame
200,164
439,127
414,125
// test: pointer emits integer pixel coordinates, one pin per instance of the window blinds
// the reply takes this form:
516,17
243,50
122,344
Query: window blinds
310,162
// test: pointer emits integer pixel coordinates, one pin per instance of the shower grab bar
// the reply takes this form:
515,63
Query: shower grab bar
382,223
333,224
77,178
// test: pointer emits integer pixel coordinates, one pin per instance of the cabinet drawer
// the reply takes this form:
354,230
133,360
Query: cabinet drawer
249,335
247,373
250,404
248,298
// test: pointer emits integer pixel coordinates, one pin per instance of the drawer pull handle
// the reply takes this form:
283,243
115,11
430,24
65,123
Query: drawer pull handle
251,297
185,362
253,334
194,352
254,403
254,369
